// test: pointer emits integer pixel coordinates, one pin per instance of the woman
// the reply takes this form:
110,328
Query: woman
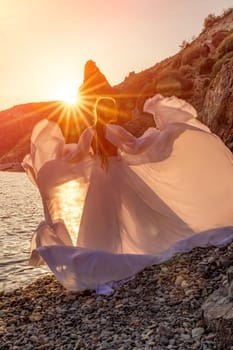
115,203
105,113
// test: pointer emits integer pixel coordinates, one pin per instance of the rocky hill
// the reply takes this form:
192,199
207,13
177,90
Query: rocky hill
201,72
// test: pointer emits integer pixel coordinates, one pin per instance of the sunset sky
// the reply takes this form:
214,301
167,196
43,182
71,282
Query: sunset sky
45,43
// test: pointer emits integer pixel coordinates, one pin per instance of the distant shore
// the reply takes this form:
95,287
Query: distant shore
159,309
16,167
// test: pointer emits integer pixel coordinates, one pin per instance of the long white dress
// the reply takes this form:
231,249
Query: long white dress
166,192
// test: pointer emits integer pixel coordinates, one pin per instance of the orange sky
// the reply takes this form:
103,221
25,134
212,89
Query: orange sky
45,43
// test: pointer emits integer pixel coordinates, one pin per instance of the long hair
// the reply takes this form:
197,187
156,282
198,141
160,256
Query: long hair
105,110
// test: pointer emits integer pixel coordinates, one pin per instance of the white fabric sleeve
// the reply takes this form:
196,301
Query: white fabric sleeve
168,110
128,143
28,168
47,143
77,151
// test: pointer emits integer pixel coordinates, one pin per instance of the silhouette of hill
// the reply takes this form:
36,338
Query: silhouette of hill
201,72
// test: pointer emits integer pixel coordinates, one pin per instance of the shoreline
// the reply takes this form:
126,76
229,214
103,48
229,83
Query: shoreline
160,309
10,287
11,167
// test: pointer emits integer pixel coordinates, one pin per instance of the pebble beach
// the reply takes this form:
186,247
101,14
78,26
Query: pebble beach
160,309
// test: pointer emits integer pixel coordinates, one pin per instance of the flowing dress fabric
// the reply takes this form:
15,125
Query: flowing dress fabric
167,191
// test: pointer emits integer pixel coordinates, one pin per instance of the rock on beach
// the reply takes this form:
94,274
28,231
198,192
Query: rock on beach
155,311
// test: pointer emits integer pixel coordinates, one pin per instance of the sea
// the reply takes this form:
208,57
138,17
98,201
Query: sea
20,213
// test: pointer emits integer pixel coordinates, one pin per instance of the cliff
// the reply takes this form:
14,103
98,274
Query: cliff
201,72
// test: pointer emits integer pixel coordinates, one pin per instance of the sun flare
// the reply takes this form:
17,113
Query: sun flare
68,93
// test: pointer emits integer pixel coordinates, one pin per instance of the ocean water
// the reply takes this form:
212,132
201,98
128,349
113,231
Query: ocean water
20,213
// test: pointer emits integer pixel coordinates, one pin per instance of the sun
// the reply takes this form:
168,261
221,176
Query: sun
68,93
